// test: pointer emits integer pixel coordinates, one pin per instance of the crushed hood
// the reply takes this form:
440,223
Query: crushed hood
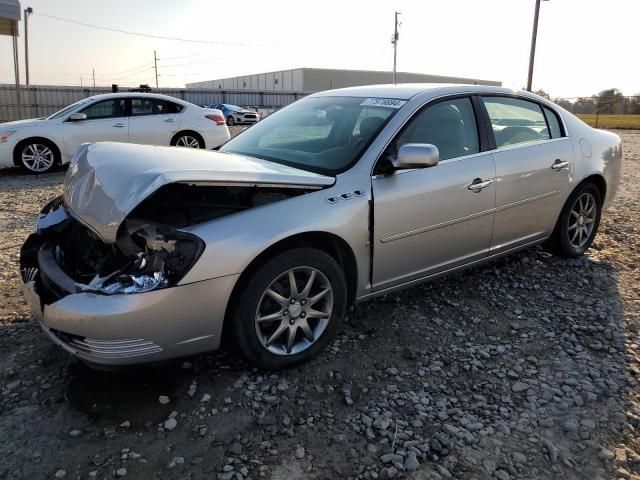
106,180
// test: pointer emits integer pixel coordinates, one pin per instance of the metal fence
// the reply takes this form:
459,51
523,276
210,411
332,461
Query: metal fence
42,100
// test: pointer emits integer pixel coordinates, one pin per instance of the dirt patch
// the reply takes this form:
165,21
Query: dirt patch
522,368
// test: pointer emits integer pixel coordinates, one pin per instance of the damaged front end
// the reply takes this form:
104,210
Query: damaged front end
64,256
151,250
105,271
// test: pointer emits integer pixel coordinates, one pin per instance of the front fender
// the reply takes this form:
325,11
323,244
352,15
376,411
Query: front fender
233,242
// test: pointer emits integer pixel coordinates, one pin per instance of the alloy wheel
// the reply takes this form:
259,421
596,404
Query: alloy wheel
37,157
188,141
289,319
582,220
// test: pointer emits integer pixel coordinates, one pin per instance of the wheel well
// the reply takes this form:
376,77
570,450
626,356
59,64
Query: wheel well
598,181
187,132
600,184
21,143
327,242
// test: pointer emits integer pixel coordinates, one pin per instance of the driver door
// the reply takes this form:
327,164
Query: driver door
107,121
432,219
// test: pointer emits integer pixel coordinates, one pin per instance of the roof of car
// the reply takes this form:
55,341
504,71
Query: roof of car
106,96
405,91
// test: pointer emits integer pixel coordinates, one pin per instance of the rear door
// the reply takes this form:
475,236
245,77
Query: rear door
106,121
154,121
533,160
431,219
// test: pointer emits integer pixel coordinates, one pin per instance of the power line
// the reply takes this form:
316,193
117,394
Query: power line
186,56
185,74
75,74
130,69
148,35
187,63
141,72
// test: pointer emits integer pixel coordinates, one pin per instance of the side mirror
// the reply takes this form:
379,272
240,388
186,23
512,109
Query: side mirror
416,155
77,117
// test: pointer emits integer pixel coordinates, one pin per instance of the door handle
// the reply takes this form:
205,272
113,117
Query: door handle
170,120
559,165
478,185
119,125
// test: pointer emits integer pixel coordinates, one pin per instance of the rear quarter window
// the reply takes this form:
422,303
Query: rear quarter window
174,107
554,123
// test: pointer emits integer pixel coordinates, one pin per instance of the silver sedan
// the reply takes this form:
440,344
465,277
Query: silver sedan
338,198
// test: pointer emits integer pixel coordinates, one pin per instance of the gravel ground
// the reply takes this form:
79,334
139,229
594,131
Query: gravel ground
523,368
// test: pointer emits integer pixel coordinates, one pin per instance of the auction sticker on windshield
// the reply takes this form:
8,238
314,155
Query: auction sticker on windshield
383,102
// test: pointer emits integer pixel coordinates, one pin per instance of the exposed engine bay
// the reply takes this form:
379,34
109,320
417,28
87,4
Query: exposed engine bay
64,256
181,205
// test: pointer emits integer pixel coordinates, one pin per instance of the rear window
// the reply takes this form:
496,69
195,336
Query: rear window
153,106
516,121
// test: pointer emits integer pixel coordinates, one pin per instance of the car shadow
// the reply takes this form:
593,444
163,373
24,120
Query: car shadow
556,332
556,328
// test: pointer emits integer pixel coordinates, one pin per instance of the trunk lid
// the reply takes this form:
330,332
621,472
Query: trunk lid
106,181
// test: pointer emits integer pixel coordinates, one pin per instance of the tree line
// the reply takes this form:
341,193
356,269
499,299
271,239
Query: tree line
606,102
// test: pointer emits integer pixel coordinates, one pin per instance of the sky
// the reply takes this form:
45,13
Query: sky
584,46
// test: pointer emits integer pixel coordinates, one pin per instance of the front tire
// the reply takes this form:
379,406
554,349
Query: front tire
290,308
578,222
231,121
37,155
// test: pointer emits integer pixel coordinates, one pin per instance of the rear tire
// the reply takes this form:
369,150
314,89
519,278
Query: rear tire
188,140
578,222
277,326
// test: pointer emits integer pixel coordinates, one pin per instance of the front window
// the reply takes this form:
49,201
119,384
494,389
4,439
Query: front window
321,134
112,108
450,125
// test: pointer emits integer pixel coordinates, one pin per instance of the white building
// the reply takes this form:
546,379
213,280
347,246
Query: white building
310,80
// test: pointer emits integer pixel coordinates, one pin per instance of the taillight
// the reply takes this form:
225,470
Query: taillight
219,119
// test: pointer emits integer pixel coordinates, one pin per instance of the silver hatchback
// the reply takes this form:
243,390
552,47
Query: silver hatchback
335,199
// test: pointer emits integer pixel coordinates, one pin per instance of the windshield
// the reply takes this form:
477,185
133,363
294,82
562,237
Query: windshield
234,108
320,134
66,110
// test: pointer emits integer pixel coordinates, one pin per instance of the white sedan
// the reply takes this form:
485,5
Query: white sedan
38,144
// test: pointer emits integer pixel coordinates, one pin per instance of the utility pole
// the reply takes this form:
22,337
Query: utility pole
155,65
27,11
394,41
16,65
534,38
93,72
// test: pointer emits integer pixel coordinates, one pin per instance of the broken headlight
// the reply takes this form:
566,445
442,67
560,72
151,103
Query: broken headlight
135,283
160,257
